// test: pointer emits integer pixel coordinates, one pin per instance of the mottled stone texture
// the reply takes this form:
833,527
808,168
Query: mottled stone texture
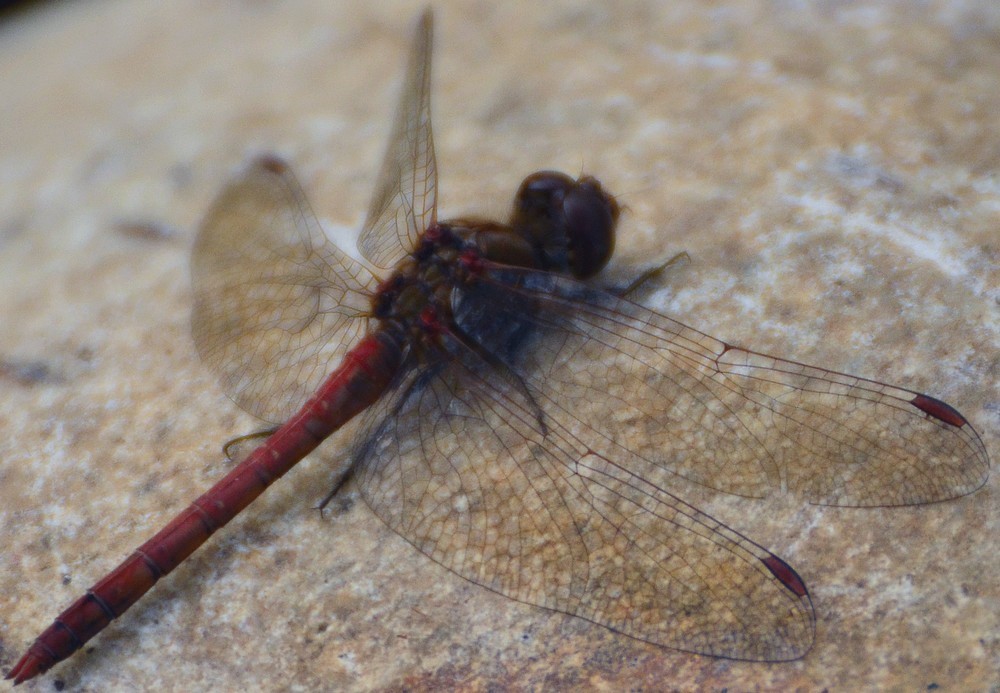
831,168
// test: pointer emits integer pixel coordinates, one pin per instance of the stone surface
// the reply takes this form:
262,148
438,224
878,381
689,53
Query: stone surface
831,168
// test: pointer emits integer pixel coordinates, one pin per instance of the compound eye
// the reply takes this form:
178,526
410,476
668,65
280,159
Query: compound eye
540,195
570,224
589,218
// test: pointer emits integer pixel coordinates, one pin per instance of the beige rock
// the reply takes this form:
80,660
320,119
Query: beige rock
832,171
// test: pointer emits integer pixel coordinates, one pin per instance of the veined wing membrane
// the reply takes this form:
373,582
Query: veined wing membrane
276,304
475,476
403,204
677,401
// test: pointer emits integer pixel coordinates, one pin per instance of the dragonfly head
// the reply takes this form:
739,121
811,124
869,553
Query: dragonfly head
570,223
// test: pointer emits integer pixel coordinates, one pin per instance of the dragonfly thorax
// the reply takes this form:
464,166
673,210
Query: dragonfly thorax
417,296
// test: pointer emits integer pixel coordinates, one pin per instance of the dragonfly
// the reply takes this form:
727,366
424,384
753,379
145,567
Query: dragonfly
519,425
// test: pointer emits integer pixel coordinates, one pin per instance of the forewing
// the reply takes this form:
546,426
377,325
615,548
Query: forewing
471,472
672,400
276,304
404,202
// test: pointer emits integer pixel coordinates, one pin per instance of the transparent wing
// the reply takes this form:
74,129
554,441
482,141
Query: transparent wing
673,400
276,304
404,202
464,468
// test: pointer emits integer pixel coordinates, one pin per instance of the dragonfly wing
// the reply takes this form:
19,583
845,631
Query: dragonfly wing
675,401
276,304
404,202
465,469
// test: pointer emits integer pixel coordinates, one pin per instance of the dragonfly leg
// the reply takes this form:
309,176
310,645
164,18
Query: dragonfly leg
652,273
257,436
341,482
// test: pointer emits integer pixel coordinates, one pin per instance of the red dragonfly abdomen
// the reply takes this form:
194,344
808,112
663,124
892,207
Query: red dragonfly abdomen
364,374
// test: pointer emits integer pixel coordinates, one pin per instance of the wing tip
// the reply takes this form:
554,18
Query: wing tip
271,163
942,411
786,575
426,18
